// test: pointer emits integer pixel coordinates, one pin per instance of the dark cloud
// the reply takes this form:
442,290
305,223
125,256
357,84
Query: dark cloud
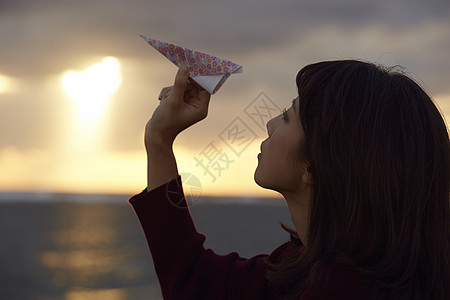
273,39
39,36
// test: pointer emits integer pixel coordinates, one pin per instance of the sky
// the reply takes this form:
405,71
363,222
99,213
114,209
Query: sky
50,142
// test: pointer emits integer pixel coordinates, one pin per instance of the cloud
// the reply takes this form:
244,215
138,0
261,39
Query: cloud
43,37
272,40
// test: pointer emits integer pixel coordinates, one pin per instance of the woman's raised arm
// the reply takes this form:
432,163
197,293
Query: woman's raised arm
182,105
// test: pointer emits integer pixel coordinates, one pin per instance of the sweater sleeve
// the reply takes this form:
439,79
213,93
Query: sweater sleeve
185,269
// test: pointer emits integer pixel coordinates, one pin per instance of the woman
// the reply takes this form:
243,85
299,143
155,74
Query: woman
362,159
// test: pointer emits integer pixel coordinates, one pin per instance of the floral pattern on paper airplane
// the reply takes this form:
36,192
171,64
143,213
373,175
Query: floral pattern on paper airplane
199,63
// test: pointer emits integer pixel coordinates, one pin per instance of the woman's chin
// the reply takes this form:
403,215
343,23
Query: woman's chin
259,179
256,177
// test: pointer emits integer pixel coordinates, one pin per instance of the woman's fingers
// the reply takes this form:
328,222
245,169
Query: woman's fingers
181,83
165,92
204,97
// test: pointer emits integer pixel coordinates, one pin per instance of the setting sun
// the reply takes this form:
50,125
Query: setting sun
91,87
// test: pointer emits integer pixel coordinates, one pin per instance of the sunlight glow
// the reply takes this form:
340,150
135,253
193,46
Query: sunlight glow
6,84
103,172
92,87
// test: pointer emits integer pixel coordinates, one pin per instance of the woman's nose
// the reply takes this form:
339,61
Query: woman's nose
272,124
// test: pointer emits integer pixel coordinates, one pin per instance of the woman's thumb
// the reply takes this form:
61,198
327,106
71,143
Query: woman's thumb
181,81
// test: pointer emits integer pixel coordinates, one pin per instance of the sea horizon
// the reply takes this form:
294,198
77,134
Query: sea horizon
53,197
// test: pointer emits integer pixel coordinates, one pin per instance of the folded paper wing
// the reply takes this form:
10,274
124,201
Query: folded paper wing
208,71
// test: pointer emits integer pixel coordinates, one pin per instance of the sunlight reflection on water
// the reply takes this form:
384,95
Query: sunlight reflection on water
69,250
87,248
82,294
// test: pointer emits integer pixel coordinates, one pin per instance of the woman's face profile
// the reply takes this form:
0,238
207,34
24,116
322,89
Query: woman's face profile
280,166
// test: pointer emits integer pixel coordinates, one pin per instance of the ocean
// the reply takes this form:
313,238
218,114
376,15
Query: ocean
73,247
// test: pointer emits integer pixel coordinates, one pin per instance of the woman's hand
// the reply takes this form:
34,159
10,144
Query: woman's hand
182,105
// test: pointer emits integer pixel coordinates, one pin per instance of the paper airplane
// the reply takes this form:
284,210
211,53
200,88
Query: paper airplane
208,71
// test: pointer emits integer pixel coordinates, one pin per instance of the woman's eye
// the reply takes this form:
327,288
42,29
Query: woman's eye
284,115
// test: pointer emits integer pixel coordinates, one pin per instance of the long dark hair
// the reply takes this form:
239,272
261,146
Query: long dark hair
378,152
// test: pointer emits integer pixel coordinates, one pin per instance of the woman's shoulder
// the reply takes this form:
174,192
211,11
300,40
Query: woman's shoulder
337,283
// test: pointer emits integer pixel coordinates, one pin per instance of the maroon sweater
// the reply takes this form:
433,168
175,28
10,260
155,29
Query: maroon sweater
186,270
